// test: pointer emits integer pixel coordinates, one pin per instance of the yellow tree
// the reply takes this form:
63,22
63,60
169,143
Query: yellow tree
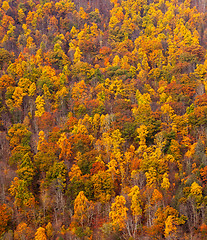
83,14
195,198
74,31
21,15
40,102
136,209
41,141
103,186
75,172
82,218
18,97
5,6
80,208
142,132
113,143
116,61
65,146
166,221
142,112
49,230
165,182
79,91
40,234
125,63
77,55
170,226
23,232
118,213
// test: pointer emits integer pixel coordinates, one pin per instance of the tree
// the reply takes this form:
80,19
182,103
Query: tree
5,216
165,182
19,140
6,81
26,169
18,97
57,173
79,91
23,231
40,103
21,15
45,156
82,218
18,134
65,147
166,222
170,226
136,209
195,199
49,230
40,234
102,186
118,213
142,133
19,189
77,55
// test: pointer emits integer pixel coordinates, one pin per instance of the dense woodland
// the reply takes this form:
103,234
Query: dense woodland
103,119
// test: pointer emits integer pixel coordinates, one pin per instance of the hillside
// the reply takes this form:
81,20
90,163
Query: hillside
103,119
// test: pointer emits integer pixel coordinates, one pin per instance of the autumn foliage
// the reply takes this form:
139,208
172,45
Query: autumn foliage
103,119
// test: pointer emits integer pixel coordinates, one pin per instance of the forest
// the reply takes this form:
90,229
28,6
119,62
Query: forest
103,119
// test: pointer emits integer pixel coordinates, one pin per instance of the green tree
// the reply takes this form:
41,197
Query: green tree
26,170
19,189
